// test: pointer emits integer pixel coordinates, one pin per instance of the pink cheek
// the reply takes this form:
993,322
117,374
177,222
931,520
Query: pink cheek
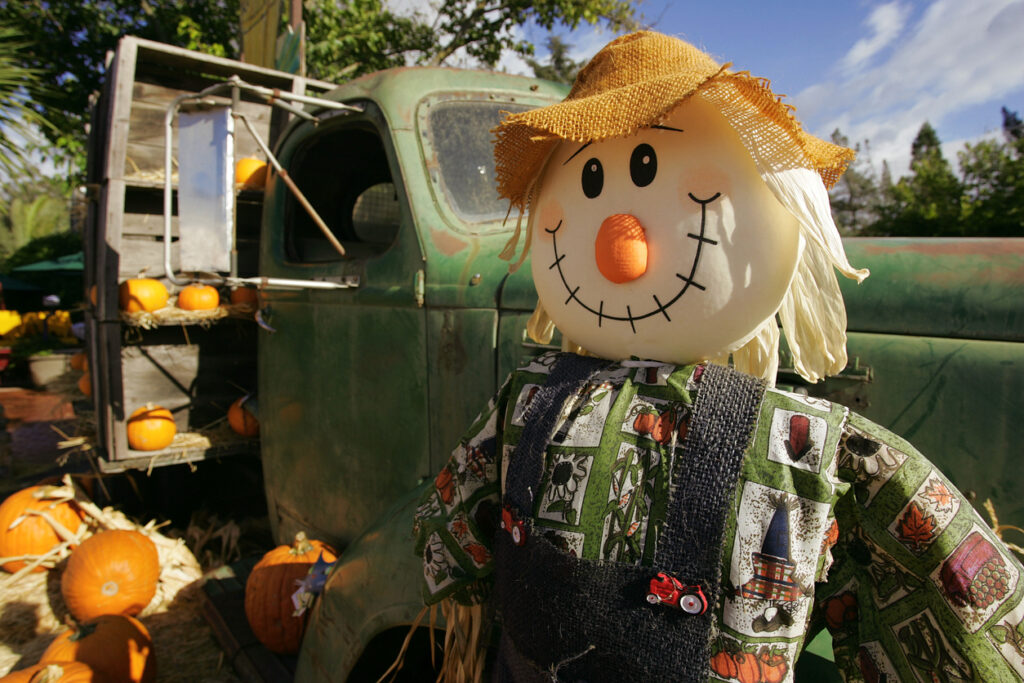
703,183
548,218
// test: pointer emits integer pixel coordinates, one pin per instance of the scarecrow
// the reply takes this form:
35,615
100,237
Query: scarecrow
645,505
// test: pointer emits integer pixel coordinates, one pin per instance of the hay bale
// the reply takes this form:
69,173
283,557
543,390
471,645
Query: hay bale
32,610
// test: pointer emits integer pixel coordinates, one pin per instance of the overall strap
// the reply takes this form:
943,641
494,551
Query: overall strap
704,481
526,467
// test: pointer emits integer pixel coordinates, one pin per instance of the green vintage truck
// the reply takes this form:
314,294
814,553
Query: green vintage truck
369,365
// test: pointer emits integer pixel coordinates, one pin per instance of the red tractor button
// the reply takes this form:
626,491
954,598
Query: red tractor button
667,589
511,523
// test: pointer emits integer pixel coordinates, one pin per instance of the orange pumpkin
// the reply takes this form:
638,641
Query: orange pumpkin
85,384
774,667
113,572
241,420
268,593
63,672
142,294
27,534
196,297
245,295
251,173
724,665
748,669
151,428
114,645
80,362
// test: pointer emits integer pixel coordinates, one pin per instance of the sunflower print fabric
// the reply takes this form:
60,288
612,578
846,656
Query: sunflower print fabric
836,523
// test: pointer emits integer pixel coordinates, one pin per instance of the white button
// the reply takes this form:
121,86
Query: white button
690,604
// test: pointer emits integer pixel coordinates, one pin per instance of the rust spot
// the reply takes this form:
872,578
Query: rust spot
957,247
447,243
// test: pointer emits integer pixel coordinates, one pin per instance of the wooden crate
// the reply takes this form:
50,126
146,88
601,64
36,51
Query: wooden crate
194,373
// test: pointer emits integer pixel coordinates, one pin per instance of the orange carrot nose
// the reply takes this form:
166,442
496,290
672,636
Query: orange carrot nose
621,248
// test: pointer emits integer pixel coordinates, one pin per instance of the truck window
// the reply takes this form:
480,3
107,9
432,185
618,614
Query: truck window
344,174
460,134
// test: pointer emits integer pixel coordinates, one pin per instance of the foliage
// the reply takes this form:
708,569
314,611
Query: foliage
986,199
927,202
993,174
71,40
360,36
19,86
559,67
44,248
855,197
31,207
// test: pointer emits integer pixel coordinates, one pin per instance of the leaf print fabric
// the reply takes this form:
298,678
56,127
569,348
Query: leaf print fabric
835,522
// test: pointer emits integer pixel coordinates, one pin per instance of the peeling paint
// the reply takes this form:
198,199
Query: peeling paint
447,243
993,247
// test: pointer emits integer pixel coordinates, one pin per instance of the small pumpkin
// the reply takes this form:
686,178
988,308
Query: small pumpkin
245,295
151,428
645,421
268,593
114,645
84,384
80,362
251,173
241,418
662,430
62,672
774,667
112,572
197,297
142,294
28,534
748,668
724,665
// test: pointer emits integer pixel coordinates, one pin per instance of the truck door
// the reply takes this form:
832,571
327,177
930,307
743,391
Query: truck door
343,392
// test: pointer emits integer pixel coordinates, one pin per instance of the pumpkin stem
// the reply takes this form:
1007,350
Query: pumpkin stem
80,630
51,673
301,546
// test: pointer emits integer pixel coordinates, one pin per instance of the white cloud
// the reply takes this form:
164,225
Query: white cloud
956,55
886,22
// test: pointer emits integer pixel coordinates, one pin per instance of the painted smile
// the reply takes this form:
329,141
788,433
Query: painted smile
659,307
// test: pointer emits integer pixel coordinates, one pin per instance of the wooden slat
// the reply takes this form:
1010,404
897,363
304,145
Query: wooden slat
122,74
175,57
162,375
144,255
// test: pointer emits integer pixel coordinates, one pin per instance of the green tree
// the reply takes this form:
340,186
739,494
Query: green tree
71,40
29,209
19,87
559,67
855,198
927,202
1013,127
993,182
359,36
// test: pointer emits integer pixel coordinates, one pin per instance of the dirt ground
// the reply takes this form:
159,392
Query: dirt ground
31,609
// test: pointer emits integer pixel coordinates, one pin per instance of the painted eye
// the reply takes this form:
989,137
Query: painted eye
593,178
643,165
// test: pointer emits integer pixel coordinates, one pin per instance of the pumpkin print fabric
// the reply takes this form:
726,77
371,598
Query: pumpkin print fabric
835,523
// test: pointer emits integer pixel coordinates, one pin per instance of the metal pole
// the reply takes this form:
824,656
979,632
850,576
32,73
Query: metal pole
294,188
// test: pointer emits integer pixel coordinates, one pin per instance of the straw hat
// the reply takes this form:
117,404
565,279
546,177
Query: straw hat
636,80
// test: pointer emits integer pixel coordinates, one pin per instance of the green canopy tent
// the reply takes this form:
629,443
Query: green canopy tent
61,276
69,263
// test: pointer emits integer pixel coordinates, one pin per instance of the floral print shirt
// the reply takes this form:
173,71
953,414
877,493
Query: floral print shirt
835,521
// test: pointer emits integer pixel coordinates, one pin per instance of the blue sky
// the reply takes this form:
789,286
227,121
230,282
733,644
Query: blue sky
876,70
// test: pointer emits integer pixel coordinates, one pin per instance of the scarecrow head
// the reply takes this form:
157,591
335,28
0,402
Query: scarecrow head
675,208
